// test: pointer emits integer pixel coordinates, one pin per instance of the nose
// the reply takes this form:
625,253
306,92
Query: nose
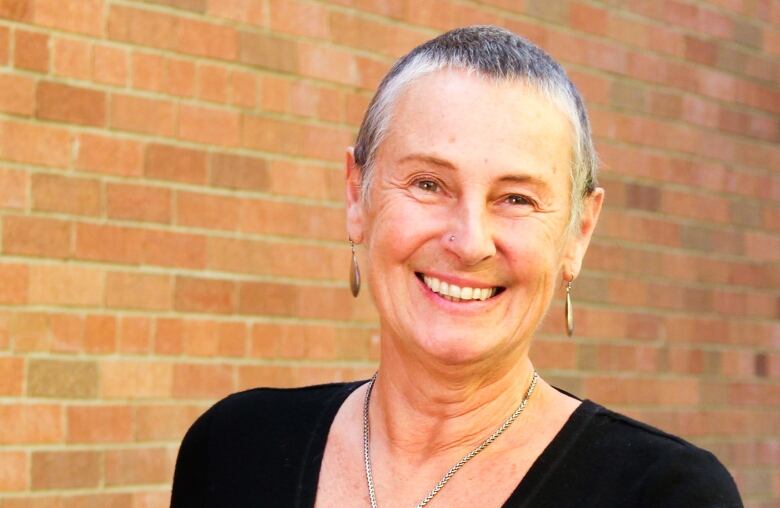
470,236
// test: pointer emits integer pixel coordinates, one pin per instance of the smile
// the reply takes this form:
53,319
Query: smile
455,293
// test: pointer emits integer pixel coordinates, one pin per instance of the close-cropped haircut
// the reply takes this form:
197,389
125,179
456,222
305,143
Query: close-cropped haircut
494,54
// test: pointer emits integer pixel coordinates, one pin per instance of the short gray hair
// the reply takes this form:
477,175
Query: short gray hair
496,54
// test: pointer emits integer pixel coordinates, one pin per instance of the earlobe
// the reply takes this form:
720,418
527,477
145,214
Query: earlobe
353,178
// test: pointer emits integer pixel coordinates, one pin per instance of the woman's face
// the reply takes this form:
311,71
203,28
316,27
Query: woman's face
470,196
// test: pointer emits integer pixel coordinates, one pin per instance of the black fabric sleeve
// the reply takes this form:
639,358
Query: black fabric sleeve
687,477
190,478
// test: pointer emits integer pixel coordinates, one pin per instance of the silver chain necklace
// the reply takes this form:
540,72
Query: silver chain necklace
454,469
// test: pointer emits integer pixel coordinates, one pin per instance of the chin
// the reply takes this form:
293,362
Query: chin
457,349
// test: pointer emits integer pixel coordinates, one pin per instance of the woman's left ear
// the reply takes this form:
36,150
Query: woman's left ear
354,197
580,239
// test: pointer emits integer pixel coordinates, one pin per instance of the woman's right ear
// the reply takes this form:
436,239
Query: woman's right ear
354,197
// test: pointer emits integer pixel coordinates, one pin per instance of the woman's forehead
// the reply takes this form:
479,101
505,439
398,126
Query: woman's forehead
471,122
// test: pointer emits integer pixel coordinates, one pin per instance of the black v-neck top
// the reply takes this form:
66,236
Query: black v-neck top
264,448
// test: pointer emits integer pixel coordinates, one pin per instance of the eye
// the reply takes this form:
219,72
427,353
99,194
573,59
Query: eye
427,185
518,200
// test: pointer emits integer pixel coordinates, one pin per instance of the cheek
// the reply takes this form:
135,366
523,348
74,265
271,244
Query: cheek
532,252
399,227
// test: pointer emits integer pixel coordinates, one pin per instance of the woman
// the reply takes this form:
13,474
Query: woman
472,188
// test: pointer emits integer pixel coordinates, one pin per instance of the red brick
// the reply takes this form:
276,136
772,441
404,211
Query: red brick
207,39
149,71
34,144
55,193
165,422
298,18
36,236
200,338
207,211
109,65
17,94
138,114
213,83
314,141
209,125
157,73
275,94
4,37
29,331
83,16
204,295
243,89
5,339
268,52
245,11
15,279
67,333
305,180
135,380
137,202
30,423
251,376
700,50
48,466
292,219
70,104
101,242
138,291
72,59
138,466
166,162
231,339
180,78
135,334
142,27
168,339
202,381
13,470
329,64
109,155
66,285
99,424
12,379
31,51
239,172
174,249
100,334
673,392
13,188
20,10
317,102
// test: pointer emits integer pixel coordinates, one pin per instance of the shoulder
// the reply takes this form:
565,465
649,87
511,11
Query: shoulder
269,430
658,468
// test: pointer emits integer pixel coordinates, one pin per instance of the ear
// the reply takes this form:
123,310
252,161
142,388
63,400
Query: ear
580,239
355,217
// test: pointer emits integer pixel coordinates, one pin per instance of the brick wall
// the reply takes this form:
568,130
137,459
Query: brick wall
172,226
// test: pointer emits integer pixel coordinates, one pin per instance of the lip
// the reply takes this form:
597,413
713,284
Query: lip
474,307
458,281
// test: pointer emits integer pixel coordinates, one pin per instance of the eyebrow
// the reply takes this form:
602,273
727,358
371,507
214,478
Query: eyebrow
508,178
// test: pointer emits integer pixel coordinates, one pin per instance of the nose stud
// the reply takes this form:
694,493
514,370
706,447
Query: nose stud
452,238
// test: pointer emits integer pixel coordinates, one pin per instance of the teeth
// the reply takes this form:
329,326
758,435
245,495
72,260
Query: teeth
452,292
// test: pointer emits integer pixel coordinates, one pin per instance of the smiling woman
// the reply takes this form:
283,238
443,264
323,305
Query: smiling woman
472,191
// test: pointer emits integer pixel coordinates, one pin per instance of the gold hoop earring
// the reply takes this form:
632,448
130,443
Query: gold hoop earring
569,311
354,272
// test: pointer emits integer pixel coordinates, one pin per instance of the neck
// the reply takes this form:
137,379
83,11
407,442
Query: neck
424,410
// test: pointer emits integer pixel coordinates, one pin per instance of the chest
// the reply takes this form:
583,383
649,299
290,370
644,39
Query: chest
487,480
